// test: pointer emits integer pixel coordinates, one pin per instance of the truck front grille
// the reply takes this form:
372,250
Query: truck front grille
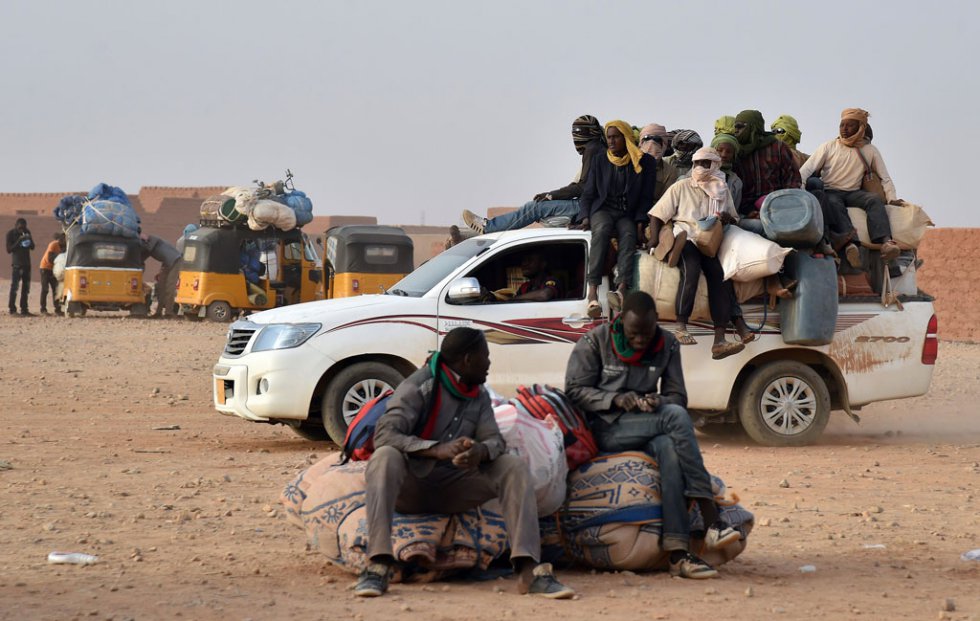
237,341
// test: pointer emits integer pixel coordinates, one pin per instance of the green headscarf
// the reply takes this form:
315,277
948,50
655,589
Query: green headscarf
757,137
725,125
728,139
792,134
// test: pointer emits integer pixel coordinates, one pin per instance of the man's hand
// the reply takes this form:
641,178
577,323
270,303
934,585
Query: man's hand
627,401
448,450
649,402
470,458
897,202
581,226
543,196
725,217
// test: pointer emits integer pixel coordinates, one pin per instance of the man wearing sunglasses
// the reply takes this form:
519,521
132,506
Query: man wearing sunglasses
558,207
653,140
787,131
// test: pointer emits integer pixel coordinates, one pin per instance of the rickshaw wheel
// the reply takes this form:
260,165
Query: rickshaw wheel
220,311
138,310
75,309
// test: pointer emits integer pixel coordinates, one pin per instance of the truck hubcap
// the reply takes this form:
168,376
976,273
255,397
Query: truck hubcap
788,406
360,393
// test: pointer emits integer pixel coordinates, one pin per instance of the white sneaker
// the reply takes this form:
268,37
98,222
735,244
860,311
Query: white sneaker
474,221
717,538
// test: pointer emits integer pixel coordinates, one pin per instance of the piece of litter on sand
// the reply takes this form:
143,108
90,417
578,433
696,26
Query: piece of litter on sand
6,465
72,558
972,555
808,569
167,428
874,546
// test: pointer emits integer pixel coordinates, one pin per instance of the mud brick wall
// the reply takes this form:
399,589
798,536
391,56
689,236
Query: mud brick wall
951,273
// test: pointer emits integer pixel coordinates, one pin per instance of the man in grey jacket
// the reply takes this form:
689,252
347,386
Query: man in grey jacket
613,374
439,450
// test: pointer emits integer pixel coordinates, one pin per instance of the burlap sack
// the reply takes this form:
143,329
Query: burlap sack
908,223
662,281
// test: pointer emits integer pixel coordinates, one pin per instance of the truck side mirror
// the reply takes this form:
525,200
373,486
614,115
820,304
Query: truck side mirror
463,290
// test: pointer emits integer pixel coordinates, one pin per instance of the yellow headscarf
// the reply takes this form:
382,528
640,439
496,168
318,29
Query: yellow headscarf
725,125
633,153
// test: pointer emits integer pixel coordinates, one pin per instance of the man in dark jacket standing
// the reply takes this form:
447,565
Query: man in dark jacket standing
19,246
439,450
613,375
618,193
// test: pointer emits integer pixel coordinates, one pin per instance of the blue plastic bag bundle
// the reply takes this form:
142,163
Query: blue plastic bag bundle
109,217
69,209
104,191
302,205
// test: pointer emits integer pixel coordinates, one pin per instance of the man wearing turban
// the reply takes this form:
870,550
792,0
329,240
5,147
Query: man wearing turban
843,163
653,140
685,142
558,205
787,131
764,164
617,194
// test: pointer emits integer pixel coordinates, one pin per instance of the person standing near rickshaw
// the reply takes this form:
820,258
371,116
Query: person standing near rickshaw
19,246
48,281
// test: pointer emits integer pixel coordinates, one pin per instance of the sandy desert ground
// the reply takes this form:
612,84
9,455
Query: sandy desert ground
186,521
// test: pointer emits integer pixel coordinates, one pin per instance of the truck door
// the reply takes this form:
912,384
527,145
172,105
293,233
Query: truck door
530,341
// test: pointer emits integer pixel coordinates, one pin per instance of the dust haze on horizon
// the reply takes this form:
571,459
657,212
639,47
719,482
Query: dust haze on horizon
415,111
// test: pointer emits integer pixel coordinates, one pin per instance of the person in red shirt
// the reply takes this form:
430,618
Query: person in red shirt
48,280
540,286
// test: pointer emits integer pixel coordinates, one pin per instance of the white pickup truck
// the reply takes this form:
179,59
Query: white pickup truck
311,366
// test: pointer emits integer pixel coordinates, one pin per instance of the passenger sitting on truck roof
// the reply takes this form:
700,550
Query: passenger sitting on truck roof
703,195
616,197
627,376
764,164
562,203
787,131
725,125
727,147
685,142
653,139
842,163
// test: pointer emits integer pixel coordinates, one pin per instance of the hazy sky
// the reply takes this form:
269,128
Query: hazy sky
412,110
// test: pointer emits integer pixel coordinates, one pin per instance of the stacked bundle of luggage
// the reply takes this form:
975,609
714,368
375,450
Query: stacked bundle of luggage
783,241
278,205
106,210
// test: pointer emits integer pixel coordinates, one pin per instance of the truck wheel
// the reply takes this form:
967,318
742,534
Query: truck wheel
784,403
139,310
219,311
349,390
310,430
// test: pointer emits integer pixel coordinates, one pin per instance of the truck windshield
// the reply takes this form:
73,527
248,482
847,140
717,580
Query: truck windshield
430,273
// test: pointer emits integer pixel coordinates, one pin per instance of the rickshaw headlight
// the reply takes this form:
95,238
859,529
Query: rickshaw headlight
284,335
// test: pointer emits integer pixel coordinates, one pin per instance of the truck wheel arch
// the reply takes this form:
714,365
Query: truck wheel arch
818,361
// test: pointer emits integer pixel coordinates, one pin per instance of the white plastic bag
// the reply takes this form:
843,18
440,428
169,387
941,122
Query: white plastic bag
266,213
541,445
746,256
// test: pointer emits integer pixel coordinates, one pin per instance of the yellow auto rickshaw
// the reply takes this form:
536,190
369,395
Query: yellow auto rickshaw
103,272
364,258
226,270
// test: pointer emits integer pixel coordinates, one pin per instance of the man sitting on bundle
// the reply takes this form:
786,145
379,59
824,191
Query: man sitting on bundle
439,450
627,376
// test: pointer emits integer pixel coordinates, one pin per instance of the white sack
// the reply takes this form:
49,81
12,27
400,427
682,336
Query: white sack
908,223
266,213
746,256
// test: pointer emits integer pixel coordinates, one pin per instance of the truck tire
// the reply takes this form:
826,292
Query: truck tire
349,390
310,430
220,311
784,403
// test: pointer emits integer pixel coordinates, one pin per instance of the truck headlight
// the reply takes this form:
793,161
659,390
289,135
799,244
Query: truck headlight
284,335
